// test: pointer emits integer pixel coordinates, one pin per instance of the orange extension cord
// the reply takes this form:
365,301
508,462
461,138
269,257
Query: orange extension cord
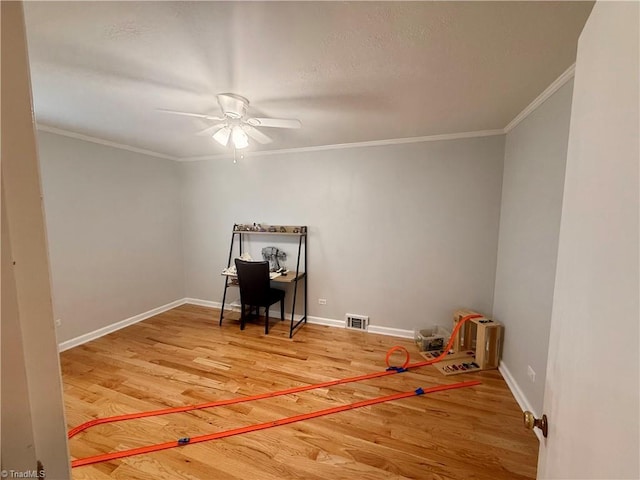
297,418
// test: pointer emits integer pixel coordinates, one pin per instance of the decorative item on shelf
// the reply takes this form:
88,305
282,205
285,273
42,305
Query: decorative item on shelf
274,255
265,228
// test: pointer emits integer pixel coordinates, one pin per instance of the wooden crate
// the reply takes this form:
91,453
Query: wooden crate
481,335
466,337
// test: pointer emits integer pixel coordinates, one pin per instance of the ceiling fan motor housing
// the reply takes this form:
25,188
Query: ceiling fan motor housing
232,105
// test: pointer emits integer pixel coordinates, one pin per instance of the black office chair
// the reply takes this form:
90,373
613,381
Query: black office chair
255,291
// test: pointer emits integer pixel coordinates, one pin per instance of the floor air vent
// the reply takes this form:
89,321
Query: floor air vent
357,322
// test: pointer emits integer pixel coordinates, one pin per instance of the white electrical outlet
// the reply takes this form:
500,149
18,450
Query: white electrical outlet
322,301
58,322
532,374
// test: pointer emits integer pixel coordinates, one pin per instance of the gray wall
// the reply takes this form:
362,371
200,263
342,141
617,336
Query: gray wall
113,225
534,166
402,233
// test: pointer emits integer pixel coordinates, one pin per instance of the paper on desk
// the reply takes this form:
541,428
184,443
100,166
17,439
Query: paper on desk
231,272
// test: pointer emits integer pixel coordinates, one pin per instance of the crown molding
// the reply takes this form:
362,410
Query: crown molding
374,143
100,141
540,99
567,75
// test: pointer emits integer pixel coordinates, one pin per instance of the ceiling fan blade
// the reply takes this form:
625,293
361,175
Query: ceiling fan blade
210,130
257,135
274,122
190,114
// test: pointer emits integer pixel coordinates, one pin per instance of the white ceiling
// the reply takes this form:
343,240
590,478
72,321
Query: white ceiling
350,71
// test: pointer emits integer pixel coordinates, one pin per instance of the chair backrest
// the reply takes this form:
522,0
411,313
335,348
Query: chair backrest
253,278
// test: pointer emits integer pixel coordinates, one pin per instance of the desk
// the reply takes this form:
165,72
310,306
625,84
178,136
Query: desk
290,277
240,231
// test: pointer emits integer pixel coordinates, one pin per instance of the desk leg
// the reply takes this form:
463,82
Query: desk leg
306,279
224,297
226,279
295,287
293,307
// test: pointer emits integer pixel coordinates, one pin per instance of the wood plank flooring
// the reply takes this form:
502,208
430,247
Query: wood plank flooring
183,357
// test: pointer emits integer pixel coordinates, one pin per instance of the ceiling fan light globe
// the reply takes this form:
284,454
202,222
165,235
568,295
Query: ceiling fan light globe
239,137
222,136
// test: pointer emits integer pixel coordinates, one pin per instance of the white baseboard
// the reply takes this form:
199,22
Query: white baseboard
329,322
517,393
201,303
515,388
87,337
392,332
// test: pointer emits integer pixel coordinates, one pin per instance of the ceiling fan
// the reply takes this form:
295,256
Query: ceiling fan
235,125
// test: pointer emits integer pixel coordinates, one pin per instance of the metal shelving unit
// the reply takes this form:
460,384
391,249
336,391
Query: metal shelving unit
238,236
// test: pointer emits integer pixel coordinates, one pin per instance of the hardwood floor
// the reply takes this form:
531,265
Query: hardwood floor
182,357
